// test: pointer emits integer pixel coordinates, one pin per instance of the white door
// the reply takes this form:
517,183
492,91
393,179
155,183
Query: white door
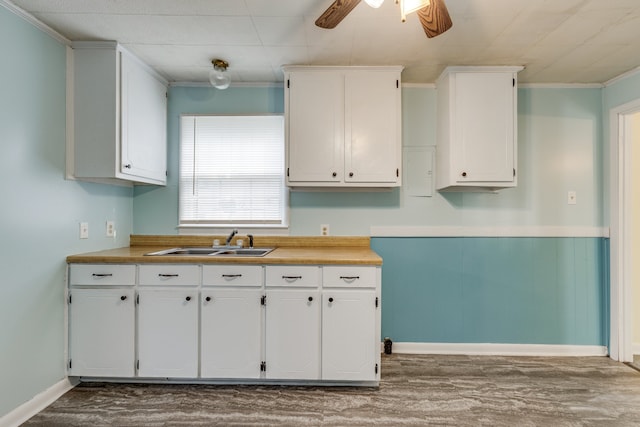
372,127
349,344
101,332
315,121
484,129
143,122
168,333
230,343
292,338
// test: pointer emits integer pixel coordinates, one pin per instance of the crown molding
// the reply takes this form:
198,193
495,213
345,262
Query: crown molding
26,16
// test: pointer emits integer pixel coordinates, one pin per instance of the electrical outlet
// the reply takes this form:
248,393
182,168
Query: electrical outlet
324,229
572,198
110,229
84,230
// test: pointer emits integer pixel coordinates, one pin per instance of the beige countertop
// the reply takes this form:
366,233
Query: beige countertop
289,250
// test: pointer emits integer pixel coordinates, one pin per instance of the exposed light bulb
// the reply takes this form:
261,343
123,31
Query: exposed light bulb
374,3
217,76
219,80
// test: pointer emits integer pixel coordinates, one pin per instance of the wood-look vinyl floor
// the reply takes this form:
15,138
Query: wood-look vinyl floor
415,390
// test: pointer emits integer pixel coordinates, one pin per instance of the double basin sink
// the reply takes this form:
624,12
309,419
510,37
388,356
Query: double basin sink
217,251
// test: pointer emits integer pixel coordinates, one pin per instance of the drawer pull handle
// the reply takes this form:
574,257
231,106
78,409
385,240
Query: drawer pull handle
188,299
168,275
207,299
350,277
123,297
102,274
231,276
310,299
291,277
331,299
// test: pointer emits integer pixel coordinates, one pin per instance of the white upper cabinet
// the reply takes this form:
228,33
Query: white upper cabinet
120,116
477,128
343,126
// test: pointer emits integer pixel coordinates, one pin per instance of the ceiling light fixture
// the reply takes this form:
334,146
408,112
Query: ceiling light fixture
408,6
374,3
217,76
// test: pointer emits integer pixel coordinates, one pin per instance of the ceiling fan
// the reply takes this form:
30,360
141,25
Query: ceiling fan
433,14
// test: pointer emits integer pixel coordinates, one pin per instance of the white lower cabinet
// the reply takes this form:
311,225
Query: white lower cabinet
225,322
168,333
101,332
348,337
231,333
292,337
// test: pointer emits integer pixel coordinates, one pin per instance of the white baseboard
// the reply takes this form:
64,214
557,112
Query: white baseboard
40,401
473,349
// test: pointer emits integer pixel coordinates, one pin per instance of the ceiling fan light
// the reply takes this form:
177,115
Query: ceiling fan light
374,3
409,6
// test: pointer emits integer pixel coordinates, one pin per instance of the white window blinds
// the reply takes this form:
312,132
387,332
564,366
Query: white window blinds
232,170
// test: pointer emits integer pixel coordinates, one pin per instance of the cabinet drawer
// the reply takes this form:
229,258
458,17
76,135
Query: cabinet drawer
102,274
232,275
349,277
293,275
169,275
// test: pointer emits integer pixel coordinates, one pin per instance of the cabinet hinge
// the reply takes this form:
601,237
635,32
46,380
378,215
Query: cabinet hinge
376,302
514,82
263,300
376,368
138,364
287,171
288,84
263,366
69,298
397,84
138,299
69,363
397,172
514,172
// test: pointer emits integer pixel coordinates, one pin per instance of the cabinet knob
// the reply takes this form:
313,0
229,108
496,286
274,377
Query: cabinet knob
188,298
207,299
330,299
464,174
310,299
127,166
350,174
123,297
334,174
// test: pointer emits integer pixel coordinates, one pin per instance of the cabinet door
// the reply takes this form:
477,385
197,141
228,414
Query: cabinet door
231,326
349,343
315,137
143,121
372,127
168,333
292,338
483,127
101,332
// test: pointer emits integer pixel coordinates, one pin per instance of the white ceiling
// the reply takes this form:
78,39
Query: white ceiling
558,41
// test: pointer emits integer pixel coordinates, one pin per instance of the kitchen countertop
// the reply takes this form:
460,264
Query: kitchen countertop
289,250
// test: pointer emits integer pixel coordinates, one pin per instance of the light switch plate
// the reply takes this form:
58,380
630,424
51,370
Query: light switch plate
572,198
84,230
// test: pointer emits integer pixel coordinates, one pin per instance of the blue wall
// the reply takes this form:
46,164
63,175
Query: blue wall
40,212
495,290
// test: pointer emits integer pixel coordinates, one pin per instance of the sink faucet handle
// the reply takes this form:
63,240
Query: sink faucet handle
250,236
233,233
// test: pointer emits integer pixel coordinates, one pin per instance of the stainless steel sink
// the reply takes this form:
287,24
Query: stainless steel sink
244,252
213,251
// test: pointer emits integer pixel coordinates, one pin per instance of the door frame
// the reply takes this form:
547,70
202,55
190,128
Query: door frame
621,313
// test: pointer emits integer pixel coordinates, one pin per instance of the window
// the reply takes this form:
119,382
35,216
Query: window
232,171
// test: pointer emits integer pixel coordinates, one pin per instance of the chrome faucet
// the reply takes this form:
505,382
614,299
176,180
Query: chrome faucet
233,233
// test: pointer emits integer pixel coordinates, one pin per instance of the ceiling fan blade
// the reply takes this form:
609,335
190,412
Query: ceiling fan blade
335,13
435,18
